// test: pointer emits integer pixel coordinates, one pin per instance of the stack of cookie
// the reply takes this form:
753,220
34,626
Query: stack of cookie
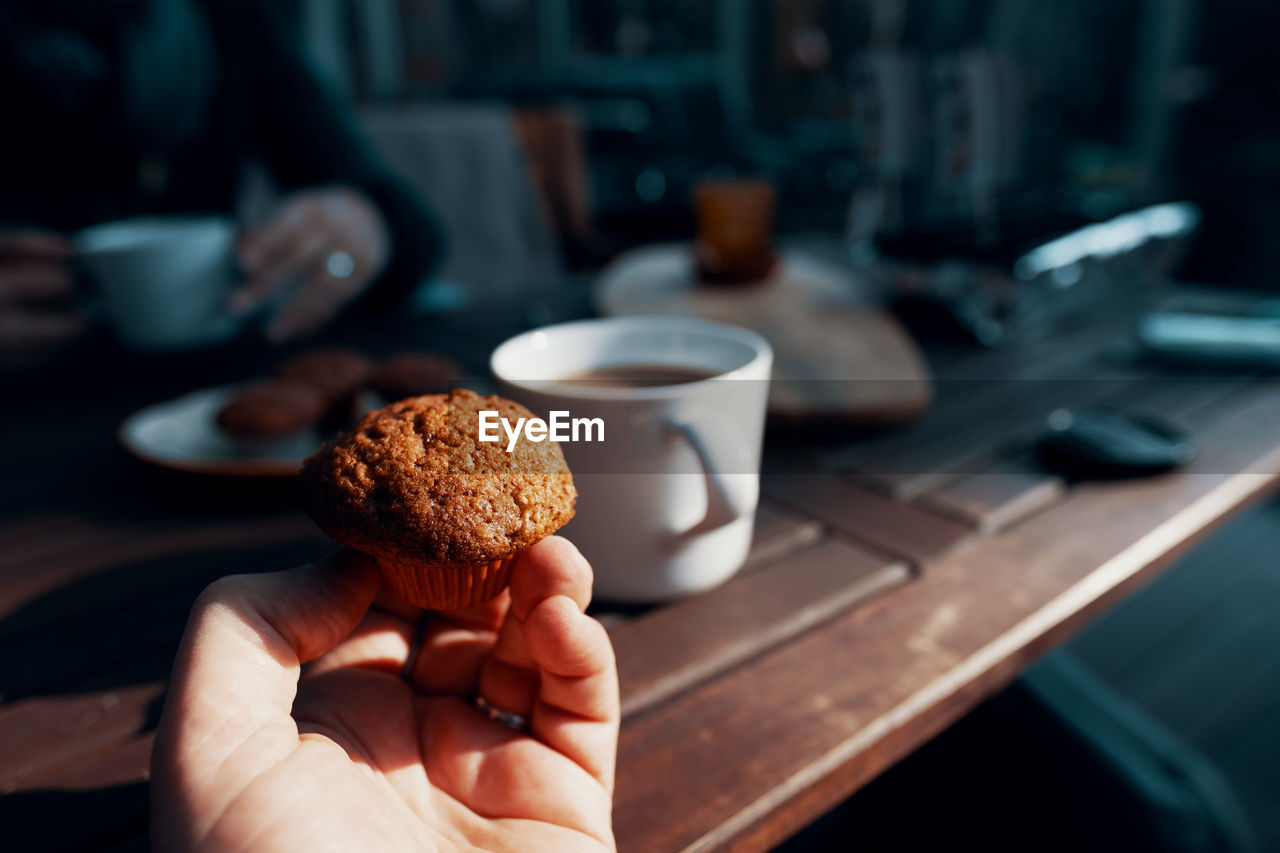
323,391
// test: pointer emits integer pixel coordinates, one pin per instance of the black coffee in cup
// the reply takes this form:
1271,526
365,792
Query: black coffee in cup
639,375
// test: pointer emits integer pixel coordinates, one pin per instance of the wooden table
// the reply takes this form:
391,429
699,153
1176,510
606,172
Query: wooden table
897,579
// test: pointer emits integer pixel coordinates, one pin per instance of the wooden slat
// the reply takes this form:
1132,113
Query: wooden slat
1010,490
114,627
983,403
778,533
1015,414
122,762
1016,485
825,713
1186,402
90,547
675,647
891,527
38,734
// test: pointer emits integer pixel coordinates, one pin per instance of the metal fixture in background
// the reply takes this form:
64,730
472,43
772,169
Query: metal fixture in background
1117,262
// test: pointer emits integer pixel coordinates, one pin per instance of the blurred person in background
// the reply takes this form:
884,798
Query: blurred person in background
121,108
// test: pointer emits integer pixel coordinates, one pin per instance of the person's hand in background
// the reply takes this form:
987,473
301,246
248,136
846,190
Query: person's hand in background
332,241
36,287
370,747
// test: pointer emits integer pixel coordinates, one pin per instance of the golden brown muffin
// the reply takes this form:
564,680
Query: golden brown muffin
413,374
441,511
271,409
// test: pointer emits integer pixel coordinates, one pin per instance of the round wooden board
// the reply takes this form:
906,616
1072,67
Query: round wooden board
836,355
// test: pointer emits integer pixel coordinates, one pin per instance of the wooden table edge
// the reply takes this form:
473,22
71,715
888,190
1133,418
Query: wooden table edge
804,799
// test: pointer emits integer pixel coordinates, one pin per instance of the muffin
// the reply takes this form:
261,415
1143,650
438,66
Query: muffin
337,373
273,417
443,513
413,374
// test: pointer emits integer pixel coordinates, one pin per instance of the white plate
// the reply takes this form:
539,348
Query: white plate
182,435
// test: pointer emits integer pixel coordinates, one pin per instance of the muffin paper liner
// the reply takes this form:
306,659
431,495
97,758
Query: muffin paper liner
449,587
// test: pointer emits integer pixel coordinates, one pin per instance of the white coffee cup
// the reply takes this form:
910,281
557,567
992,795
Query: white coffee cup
667,502
164,281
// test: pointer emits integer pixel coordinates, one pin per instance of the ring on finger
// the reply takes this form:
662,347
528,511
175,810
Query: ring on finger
340,265
511,720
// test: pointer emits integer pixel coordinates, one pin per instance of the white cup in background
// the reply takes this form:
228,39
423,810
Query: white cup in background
163,281
667,502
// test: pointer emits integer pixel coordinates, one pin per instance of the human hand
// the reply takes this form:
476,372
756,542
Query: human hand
36,285
352,752
333,240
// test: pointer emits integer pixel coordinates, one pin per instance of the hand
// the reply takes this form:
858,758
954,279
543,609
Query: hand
333,240
349,754
36,286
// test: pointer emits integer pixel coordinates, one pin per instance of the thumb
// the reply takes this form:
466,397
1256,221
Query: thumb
236,671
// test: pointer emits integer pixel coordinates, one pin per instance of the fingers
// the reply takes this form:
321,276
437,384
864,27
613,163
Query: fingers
552,567
333,239
236,672
258,245
454,647
22,329
315,304
451,645
495,771
554,664
571,649
381,642
509,677
32,281
577,708
35,245
287,246
34,276
449,660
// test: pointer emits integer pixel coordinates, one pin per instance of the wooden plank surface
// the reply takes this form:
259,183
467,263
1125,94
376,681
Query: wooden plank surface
120,625
37,734
787,697
682,644
123,761
883,524
1014,485
825,713
982,402
42,554
778,533
1011,489
1017,413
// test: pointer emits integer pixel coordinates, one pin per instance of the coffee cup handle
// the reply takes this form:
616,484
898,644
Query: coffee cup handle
722,507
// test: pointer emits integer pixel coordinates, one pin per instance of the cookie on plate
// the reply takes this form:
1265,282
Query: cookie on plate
413,374
272,418
338,373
